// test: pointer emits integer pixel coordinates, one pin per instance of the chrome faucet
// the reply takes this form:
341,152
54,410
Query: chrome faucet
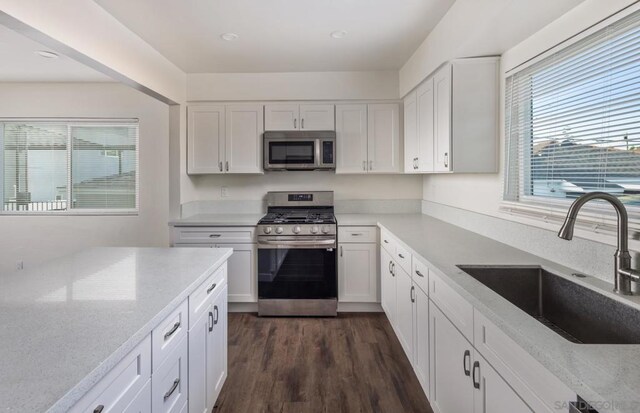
623,274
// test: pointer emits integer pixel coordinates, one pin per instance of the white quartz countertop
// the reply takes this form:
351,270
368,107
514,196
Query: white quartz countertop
67,323
218,220
608,374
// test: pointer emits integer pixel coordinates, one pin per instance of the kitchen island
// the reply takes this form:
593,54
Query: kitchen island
69,323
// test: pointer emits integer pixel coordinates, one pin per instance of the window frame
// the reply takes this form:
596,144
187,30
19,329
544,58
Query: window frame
596,217
70,123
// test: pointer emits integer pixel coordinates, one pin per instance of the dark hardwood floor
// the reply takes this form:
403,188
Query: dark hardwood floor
352,363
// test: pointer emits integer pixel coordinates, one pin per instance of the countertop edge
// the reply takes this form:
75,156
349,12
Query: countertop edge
66,402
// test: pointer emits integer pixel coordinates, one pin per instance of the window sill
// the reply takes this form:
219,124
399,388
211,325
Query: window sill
69,213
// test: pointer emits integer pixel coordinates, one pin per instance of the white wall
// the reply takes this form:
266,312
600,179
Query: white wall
478,28
35,239
293,86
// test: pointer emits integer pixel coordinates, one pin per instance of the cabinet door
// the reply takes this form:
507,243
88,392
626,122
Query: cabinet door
411,143
351,139
243,146
451,364
357,270
217,349
199,343
384,138
281,116
493,394
205,139
317,117
404,308
421,337
387,286
426,126
442,119
242,273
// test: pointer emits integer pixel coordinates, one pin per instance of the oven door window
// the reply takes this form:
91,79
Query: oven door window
297,273
292,153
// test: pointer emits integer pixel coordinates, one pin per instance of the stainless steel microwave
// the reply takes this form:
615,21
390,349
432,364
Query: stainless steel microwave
299,150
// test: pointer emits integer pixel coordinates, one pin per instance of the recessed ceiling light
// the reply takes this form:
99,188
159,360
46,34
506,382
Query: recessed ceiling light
339,34
47,54
229,36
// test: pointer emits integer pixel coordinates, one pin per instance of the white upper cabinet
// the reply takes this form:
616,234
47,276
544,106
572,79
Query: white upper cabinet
243,141
292,116
368,138
224,139
384,138
205,139
351,138
411,143
317,117
442,119
455,128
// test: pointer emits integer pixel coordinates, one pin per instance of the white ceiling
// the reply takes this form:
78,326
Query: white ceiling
20,63
281,35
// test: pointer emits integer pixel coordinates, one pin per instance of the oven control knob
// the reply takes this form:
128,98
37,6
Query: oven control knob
296,230
314,230
267,230
279,230
325,230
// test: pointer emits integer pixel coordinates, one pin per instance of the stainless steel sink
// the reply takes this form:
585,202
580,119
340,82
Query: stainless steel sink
576,313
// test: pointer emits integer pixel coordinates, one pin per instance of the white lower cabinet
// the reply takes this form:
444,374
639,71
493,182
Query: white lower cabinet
387,286
217,348
169,385
493,394
421,338
404,310
357,273
142,402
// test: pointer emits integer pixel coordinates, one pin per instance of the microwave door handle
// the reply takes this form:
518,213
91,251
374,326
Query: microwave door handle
318,161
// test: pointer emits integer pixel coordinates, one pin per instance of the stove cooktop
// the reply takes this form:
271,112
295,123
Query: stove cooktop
299,216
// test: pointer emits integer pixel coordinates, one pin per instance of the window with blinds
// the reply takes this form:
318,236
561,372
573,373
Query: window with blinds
54,166
573,121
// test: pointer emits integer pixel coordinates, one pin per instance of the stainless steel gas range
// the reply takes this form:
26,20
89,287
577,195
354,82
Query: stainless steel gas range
297,260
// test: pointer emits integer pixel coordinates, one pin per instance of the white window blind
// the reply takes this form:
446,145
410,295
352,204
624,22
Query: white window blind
55,166
573,122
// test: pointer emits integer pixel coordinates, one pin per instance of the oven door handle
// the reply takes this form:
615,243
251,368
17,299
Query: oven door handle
327,243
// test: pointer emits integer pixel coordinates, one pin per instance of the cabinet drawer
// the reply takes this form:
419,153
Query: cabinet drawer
168,334
357,234
201,297
142,402
403,258
121,385
535,385
420,274
457,309
388,242
169,382
227,235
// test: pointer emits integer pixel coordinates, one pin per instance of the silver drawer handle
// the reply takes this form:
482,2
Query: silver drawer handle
173,330
211,288
419,273
173,388
215,235
400,255
356,234
215,317
385,241
98,409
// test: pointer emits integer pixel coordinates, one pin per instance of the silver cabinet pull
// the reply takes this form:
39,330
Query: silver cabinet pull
220,166
169,333
173,388
215,317
302,123
419,273
413,300
211,288
295,123
98,409
401,256
467,356
227,165
371,165
364,165
356,234
393,267
446,159
341,252
210,321
390,270
476,366
215,235
385,241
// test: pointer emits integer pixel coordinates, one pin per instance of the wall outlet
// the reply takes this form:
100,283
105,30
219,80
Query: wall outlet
20,265
224,191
